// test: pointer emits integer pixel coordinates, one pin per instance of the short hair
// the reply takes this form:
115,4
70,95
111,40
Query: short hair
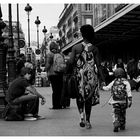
87,32
119,73
24,71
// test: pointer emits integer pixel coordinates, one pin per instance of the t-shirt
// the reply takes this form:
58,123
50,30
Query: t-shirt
16,88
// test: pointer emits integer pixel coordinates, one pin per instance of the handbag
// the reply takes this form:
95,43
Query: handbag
72,86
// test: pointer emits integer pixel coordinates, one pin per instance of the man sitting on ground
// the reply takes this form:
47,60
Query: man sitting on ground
22,99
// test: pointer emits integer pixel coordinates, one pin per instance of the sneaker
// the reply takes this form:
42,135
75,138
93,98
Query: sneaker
82,122
88,125
30,119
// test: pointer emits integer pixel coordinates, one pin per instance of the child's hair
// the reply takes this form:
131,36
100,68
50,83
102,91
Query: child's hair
119,73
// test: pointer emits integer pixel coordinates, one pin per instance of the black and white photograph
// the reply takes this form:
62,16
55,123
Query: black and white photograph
69,68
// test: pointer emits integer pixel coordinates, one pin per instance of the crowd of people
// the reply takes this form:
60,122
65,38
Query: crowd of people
131,68
90,74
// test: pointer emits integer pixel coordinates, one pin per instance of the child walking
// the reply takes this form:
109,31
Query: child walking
121,99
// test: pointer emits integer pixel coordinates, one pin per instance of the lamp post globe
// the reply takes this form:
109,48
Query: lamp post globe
28,8
44,30
51,36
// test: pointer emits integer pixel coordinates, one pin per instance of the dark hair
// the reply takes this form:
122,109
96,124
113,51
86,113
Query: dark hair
119,73
88,33
24,71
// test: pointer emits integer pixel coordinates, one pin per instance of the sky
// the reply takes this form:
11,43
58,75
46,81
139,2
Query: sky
48,15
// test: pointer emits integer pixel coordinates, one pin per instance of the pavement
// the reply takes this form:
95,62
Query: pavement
65,122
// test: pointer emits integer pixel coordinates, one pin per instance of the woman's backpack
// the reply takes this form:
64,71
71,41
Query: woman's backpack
59,64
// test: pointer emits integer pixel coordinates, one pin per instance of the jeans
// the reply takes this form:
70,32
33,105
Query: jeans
29,103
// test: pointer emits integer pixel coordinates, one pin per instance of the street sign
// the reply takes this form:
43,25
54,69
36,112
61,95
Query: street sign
21,43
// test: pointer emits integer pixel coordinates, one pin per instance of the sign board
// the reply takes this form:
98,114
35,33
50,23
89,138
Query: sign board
37,51
21,43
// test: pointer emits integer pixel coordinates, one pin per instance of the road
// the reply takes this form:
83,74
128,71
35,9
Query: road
65,122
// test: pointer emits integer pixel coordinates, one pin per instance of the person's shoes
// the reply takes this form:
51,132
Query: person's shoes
116,126
30,119
39,117
88,125
82,122
115,129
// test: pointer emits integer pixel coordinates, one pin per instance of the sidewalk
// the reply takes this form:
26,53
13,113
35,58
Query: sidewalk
65,122
55,124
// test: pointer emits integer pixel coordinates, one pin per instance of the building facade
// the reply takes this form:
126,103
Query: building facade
116,27
71,19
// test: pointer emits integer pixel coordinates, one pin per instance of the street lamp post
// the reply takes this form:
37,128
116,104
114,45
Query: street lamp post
45,31
11,51
28,9
18,36
3,52
37,22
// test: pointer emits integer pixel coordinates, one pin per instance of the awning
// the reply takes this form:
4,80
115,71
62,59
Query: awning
124,25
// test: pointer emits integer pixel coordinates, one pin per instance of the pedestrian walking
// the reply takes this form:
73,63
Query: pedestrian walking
83,57
121,99
56,78
22,99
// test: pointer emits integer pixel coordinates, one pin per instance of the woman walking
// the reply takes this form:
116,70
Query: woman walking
86,62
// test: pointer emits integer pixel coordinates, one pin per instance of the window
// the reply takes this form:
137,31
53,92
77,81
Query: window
88,7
